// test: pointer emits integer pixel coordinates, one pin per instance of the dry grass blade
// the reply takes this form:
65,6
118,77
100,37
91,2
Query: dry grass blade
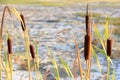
78,57
1,28
3,16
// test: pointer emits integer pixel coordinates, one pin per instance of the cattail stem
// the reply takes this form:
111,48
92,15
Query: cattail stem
33,57
108,72
87,24
9,42
26,37
109,52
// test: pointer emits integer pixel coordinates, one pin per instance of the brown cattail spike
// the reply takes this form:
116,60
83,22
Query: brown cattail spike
87,47
32,51
23,22
109,47
9,42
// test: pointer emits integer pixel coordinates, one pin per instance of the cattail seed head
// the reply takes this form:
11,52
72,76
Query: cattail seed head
32,51
9,42
109,47
87,47
23,25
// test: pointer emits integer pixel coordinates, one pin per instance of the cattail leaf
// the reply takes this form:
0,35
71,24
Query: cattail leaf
100,50
96,58
53,60
106,30
67,69
99,37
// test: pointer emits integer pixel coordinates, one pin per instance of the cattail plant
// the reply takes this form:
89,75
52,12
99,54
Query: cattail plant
87,44
9,43
23,25
109,52
26,37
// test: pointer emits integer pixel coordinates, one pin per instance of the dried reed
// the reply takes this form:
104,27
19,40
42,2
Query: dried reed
1,28
9,42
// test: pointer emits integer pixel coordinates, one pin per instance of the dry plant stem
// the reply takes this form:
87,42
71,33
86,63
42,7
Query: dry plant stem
10,65
1,27
86,69
27,51
78,57
46,74
90,56
75,75
108,72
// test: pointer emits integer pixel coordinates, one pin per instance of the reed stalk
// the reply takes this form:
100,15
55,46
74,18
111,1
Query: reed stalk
88,45
1,28
9,42
34,59
27,43
78,57
109,52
